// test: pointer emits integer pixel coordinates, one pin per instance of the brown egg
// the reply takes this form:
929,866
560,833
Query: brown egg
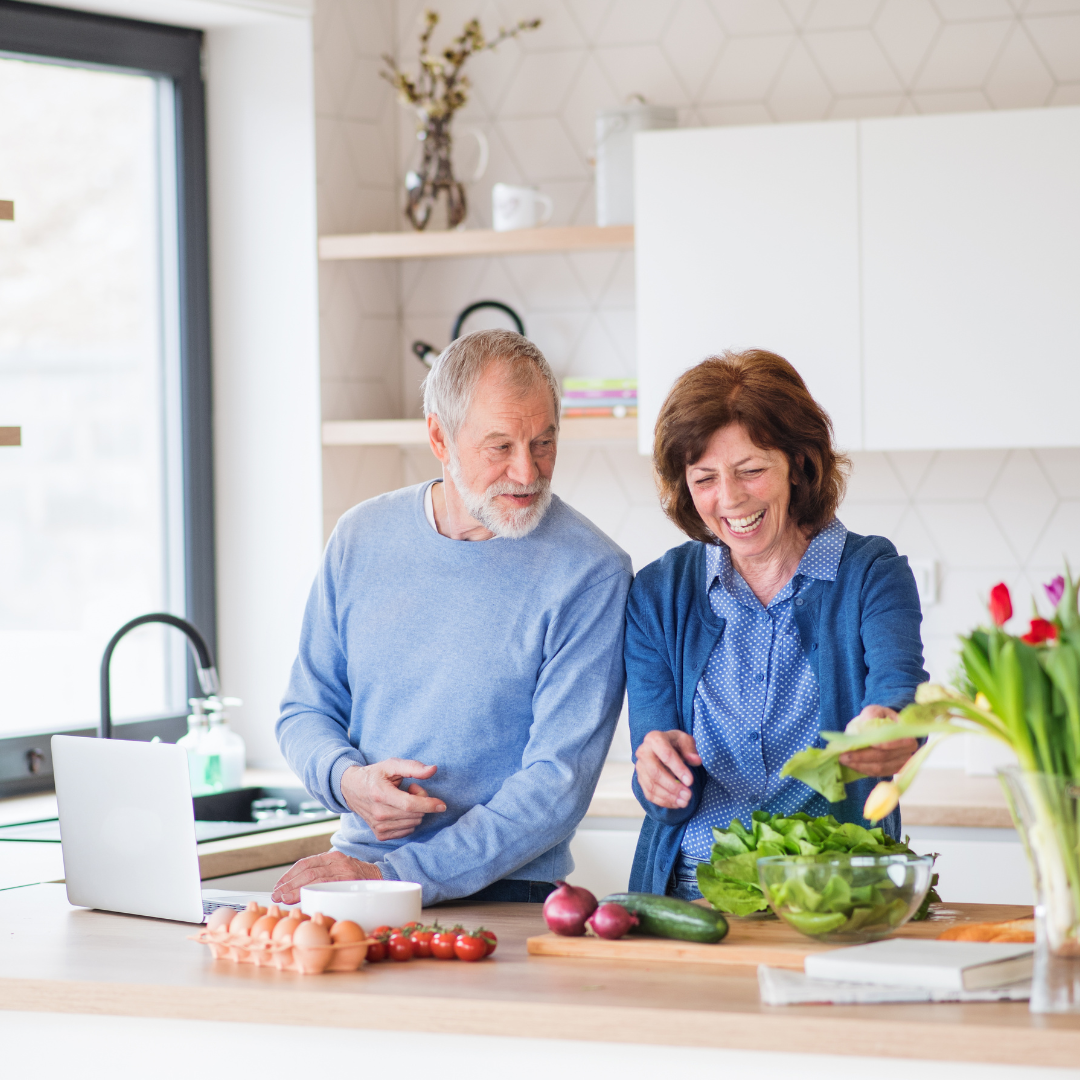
261,932
240,927
286,927
345,932
217,930
311,941
219,919
246,919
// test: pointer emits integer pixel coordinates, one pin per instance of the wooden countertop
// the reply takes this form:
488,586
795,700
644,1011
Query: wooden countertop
55,958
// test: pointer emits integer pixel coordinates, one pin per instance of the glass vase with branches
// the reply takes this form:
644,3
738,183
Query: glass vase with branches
436,92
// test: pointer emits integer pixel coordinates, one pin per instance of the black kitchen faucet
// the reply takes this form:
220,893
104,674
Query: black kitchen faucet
204,662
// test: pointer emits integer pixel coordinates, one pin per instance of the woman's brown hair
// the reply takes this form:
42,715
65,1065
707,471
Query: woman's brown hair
766,395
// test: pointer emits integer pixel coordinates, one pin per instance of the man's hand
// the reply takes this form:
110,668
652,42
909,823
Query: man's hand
662,772
372,792
885,759
330,866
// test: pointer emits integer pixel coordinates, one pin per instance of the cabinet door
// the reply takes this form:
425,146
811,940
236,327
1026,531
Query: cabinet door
971,275
748,237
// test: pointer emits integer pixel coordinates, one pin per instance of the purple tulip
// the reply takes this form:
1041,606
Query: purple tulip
1055,590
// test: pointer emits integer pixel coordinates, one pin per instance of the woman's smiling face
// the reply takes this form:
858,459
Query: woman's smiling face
742,492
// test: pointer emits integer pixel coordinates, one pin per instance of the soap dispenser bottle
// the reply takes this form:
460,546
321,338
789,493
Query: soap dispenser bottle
223,742
204,762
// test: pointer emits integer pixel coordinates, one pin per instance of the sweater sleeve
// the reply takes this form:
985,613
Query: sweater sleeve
652,697
892,642
575,707
313,727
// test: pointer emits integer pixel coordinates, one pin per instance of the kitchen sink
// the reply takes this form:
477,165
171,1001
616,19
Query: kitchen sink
217,817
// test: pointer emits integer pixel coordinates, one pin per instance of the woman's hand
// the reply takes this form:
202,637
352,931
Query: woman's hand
885,759
662,772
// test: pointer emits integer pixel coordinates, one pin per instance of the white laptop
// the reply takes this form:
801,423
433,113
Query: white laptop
127,830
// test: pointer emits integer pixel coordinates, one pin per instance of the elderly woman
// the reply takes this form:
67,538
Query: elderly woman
773,624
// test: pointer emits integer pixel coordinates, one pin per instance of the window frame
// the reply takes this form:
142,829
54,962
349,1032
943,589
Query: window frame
174,53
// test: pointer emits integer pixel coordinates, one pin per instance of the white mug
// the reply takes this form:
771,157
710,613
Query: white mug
514,207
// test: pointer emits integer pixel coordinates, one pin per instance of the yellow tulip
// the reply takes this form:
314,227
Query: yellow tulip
882,800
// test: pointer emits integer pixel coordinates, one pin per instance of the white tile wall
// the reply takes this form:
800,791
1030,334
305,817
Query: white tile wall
984,516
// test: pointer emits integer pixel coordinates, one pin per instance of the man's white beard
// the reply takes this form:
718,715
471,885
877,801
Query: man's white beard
503,520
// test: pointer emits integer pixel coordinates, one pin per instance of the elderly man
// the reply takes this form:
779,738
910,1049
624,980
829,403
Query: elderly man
460,670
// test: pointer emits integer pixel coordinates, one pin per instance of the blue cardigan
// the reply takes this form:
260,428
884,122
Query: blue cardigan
860,633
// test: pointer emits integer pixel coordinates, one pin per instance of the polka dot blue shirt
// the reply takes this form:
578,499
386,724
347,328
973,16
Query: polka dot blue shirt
757,703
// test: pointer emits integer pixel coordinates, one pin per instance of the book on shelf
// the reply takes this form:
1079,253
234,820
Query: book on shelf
597,395
616,411
599,403
574,384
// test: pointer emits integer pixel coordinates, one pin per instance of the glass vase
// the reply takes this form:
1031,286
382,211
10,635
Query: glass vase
1046,810
432,179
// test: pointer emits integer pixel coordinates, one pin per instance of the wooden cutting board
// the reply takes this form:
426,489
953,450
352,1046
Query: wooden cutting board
755,940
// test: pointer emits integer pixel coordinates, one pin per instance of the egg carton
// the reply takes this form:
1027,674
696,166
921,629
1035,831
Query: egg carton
252,936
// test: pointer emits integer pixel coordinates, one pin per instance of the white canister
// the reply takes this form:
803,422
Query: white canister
615,130
367,903
515,207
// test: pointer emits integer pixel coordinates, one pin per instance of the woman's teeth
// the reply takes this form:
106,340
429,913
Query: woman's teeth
746,524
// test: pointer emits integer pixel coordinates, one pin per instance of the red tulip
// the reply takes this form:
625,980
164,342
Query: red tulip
1041,630
1000,604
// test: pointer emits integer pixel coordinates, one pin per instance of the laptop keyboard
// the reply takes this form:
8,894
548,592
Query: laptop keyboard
210,906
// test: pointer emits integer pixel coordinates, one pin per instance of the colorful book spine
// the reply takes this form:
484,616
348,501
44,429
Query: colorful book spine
618,410
599,384
599,403
589,395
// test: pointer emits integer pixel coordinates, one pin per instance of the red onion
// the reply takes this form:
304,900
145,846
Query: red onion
612,921
567,909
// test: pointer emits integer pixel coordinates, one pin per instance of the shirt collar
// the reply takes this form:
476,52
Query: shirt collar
821,560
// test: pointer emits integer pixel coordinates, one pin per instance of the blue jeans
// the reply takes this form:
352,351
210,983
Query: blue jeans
683,880
512,891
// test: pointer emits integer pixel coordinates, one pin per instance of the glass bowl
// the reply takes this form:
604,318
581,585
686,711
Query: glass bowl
837,897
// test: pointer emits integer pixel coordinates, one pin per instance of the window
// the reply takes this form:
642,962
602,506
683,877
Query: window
106,508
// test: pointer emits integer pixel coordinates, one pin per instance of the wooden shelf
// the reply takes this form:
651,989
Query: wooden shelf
414,432
457,243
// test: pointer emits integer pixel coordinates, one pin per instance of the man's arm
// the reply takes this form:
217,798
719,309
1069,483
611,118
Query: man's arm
576,706
313,728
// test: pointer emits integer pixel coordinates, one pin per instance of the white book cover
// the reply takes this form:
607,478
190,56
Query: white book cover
938,965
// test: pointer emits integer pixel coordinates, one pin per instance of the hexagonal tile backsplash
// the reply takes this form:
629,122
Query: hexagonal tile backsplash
982,516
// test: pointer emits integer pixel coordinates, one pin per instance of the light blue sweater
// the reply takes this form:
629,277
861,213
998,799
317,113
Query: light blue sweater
499,661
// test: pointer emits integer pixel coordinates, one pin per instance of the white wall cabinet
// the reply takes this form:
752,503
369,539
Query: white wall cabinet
748,237
971,279
922,273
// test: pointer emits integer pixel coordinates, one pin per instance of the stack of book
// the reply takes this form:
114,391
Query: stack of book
904,969
600,397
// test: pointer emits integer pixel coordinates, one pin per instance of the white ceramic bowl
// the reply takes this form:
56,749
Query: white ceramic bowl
369,903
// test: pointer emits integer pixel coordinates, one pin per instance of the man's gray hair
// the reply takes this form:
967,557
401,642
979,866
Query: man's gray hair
451,383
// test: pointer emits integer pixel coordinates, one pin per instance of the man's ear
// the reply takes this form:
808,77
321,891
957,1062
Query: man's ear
440,446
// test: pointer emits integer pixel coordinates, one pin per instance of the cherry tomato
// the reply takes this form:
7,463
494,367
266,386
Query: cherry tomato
409,927
399,947
376,952
421,942
467,947
490,940
442,945
380,930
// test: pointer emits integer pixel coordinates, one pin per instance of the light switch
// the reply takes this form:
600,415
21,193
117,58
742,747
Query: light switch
926,580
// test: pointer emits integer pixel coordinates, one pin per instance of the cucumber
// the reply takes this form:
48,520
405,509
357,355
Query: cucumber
667,916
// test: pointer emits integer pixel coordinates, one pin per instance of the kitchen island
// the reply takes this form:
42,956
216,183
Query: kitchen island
59,959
